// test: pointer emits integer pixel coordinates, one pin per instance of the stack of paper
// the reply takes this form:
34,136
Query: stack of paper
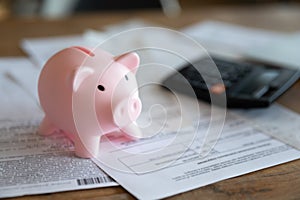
175,159
29,163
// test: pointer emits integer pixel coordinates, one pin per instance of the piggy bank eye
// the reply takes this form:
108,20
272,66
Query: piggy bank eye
126,77
100,87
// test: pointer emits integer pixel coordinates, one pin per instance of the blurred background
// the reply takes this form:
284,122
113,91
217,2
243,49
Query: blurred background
63,8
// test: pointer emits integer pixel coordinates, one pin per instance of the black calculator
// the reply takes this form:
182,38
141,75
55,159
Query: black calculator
245,84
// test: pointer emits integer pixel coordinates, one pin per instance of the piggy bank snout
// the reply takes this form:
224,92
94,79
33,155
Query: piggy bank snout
127,111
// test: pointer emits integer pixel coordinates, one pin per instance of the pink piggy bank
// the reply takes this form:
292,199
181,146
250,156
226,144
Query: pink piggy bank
94,90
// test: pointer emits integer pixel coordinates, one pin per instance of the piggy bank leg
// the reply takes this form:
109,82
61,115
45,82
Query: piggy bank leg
46,127
87,146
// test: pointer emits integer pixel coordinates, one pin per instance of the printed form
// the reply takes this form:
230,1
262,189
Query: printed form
29,163
33,164
278,122
149,173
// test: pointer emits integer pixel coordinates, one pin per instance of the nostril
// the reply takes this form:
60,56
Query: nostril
135,105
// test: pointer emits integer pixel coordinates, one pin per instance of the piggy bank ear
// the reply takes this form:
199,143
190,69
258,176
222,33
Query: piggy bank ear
79,75
130,60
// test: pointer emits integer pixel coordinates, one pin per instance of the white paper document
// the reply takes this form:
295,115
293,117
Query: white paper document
277,121
29,163
268,46
179,168
223,37
283,51
21,72
18,89
33,164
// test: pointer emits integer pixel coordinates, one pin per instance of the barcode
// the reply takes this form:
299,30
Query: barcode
96,180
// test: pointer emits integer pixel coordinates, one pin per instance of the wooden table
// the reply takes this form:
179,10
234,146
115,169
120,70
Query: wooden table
280,182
